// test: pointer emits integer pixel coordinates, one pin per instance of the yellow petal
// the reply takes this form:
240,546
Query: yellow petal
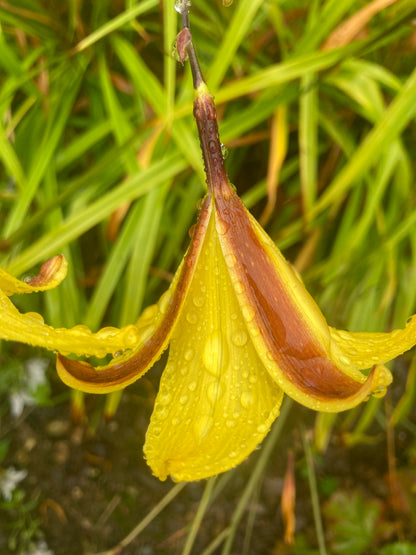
154,330
365,349
52,272
289,331
30,328
216,400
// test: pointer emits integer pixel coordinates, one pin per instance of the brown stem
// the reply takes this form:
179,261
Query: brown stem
204,113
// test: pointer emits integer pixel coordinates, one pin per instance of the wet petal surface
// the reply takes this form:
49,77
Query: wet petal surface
216,400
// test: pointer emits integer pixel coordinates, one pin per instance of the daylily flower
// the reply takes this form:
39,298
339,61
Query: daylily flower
241,328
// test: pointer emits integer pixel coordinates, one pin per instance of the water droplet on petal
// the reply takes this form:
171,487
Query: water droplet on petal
164,399
214,391
248,312
202,426
215,355
198,301
230,260
239,338
262,428
183,399
222,226
191,317
246,399
230,423
239,287
164,301
189,355
192,386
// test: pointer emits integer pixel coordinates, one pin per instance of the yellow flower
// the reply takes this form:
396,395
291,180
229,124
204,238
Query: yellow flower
241,328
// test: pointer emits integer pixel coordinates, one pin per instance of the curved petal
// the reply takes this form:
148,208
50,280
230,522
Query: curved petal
155,328
216,400
289,331
52,272
30,328
365,349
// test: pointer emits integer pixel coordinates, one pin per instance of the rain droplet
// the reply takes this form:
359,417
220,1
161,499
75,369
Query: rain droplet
246,399
165,398
202,426
239,287
214,391
215,356
248,312
189,355
198,301
262,428
224,151
230,260
156,430
181,4
239,338
191,318
183,399
192,386
160,412
164,301
222,226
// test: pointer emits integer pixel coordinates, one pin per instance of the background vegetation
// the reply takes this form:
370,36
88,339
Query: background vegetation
100,161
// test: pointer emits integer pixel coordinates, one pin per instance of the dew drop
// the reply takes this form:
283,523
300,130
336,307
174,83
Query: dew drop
183,399
164,399
164,301
160,412
192,386
232,455
239,287
222,226
246,399
273,356
147,333
191,318
248,312
198,300
262,428
149,313
239,338
230,423
224,151
230,260
156,430
202,426
215,355
189,355
214,391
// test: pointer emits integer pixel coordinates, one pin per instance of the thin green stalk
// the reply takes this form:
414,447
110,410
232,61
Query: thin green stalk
202,509
172,493
114,24
266,451
314,493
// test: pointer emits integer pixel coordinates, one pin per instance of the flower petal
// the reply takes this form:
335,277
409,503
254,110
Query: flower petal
365,349
291,335
30,328
154,327
216,400
52,272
